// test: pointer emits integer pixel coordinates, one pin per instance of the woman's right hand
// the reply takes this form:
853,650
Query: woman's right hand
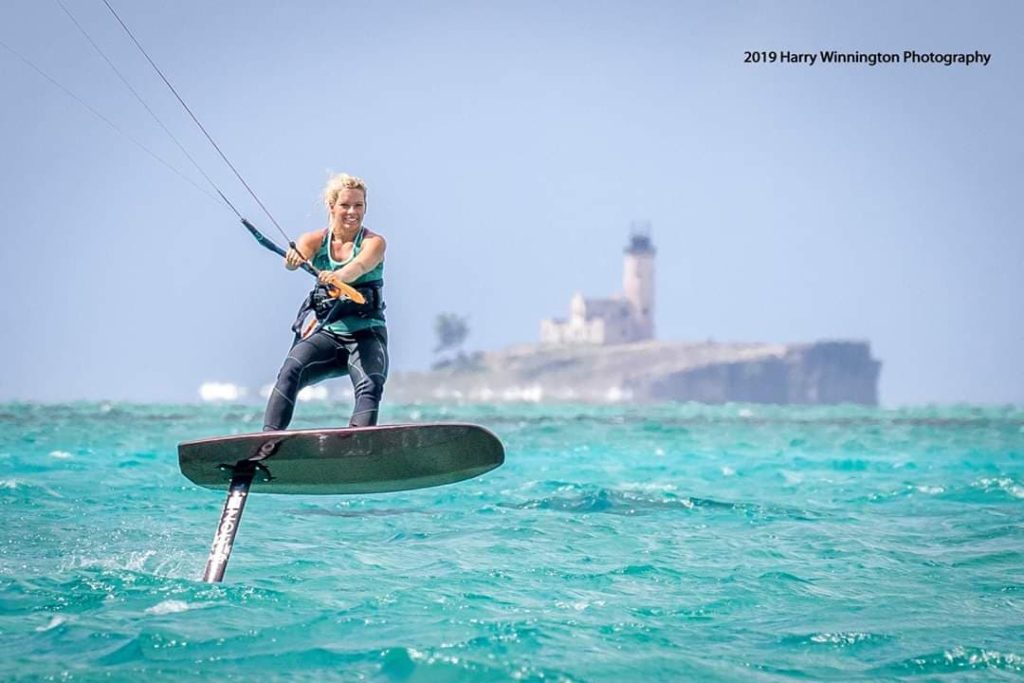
293,259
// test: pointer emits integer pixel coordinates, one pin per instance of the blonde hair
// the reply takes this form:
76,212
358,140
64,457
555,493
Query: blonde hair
342,181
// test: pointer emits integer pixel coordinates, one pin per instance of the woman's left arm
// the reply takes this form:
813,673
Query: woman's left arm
369,258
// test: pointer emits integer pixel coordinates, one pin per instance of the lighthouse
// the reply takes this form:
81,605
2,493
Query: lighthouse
622,319
638,280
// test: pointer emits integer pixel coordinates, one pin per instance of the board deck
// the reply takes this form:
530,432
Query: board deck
345,461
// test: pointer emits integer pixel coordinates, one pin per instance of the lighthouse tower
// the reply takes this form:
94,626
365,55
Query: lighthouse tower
638,280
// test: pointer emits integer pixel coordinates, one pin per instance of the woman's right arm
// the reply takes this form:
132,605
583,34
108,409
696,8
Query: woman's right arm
307,244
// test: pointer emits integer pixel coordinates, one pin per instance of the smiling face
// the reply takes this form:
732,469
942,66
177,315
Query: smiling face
348,210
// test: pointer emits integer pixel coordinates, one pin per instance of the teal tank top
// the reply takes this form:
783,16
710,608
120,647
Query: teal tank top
322,260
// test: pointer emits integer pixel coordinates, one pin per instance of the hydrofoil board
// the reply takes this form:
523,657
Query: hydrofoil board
345,461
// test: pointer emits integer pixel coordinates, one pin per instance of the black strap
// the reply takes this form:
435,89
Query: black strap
373,292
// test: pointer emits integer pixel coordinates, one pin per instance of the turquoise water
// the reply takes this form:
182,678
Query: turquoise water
669,543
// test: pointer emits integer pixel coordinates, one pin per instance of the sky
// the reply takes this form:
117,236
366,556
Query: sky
507,147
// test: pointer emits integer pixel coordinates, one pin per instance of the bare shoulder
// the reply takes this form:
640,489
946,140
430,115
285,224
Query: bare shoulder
372,237
313,238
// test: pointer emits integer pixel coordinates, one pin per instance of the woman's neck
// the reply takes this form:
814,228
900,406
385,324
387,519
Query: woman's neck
342,234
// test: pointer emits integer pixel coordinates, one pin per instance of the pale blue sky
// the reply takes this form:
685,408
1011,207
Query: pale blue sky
507,147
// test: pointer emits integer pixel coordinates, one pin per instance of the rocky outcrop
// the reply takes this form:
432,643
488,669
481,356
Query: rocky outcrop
825,372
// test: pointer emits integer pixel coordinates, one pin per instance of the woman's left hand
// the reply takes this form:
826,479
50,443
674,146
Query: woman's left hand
327,277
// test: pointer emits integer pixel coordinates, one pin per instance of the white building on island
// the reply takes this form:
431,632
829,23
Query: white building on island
626,317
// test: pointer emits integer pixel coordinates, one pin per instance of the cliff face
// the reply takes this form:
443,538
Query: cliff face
817,373
822,373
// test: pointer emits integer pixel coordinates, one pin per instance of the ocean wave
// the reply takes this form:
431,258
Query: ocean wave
956,659
172,607
645,499
979,490
837,639
410,663
56,621
361,512
1005,485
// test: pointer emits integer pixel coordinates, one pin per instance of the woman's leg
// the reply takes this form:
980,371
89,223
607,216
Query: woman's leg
368,369
309,361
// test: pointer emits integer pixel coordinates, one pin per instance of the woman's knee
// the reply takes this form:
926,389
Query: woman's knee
291,371
370,385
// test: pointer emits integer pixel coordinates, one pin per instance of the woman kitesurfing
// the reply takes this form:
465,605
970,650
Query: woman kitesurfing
348,337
